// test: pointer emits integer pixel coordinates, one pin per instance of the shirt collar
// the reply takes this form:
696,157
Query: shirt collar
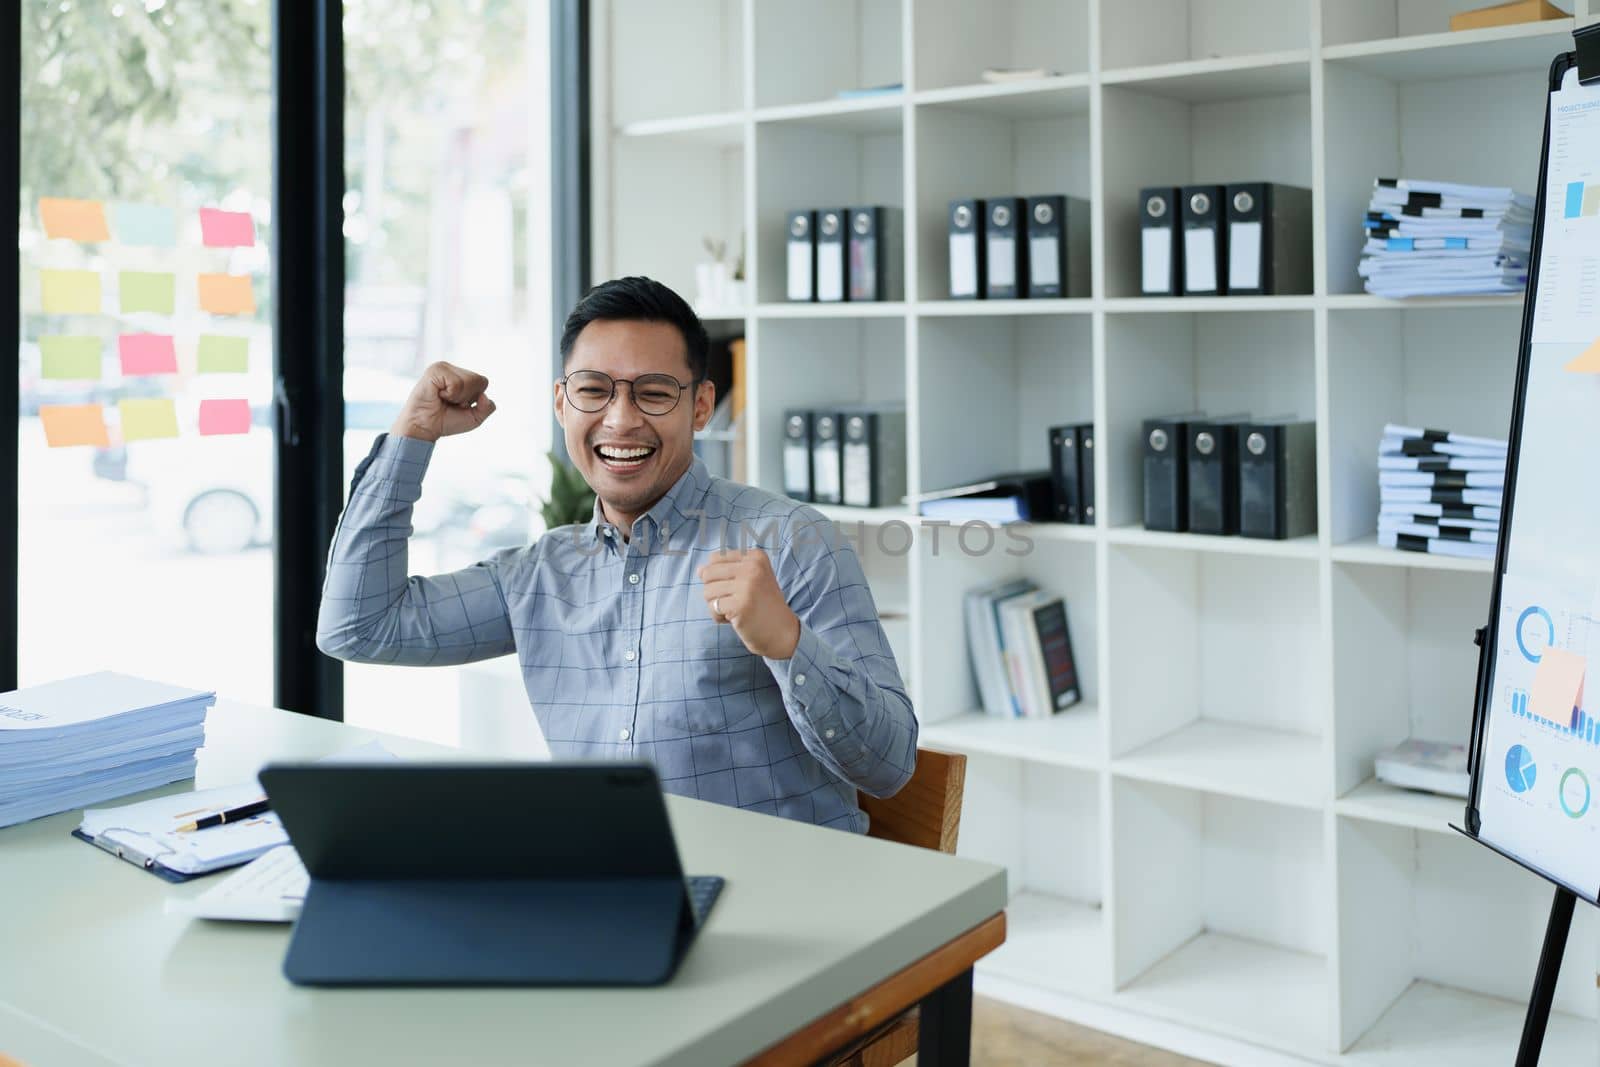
685,494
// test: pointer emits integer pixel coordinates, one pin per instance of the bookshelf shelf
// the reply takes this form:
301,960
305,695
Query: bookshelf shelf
1240,988
1439,56
1071,738
1204,81
1375,801
1199,849
1366,551
1248,762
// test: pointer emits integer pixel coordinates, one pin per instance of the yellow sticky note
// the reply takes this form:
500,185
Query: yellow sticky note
1588,362
148,418
70,292
1557,685
73,220
227,294
69,358
143,290
66,425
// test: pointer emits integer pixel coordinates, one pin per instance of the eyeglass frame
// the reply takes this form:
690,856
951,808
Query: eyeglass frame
683,387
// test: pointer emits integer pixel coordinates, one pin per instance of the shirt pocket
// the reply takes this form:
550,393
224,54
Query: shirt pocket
719,681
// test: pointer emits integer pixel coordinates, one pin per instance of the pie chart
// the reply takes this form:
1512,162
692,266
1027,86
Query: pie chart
1520,769
1574,793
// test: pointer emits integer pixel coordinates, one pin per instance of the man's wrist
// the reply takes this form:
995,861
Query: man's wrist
402,428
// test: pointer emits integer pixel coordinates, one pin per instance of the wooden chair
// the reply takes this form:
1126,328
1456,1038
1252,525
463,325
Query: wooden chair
925,813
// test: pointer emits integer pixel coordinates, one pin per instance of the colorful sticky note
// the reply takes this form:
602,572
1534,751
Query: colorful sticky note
147,418
1586,363
70,292
69,358
73,220
145,224
220,354
147,353
227,294
66,425
224,416
1557,685
226,229
143,290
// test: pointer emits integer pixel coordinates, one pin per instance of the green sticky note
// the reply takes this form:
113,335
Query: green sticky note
147,291
220,354
148,418
69,358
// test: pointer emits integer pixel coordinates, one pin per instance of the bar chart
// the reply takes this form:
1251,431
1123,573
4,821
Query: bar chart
1582,200
1582,727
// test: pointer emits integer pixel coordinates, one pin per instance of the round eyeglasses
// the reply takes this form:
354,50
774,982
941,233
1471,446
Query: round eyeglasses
654,394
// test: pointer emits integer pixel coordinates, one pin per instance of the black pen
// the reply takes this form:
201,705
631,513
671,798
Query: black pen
231,815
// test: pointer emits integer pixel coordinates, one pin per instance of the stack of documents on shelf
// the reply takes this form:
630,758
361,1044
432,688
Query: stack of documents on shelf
82,740
1022,496
1021,650
1427,765
1440,492
1441,239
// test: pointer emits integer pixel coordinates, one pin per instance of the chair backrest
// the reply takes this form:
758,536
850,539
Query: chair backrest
927,810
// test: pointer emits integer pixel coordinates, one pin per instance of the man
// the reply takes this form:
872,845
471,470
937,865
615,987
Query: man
757,677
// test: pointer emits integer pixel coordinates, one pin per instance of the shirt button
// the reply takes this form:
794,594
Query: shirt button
628,655
828,734
633,579
623,734
800,679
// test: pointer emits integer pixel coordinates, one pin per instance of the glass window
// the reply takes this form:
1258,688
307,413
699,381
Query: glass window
447,258
145,447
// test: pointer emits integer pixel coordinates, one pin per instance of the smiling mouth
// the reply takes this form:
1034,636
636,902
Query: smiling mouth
624,459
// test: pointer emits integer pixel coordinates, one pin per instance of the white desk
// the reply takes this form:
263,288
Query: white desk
92,971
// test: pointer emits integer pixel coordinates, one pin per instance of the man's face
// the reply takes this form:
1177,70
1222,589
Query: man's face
626,483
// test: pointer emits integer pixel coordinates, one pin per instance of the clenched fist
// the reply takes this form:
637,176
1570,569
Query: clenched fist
740,589
446,400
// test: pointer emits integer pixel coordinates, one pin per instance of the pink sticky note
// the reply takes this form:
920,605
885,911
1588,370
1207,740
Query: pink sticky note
147,353
224,416
226,229
1558,685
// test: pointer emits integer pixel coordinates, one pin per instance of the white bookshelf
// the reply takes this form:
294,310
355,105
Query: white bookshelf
1198,854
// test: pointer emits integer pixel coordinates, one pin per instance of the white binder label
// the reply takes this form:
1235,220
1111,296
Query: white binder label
796,468
963,264
857,475
1044,262
799,270
1200,260
1002,262
826,487
1244,255
1157,259
830,271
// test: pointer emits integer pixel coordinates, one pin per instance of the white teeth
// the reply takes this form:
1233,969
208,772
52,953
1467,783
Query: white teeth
624,453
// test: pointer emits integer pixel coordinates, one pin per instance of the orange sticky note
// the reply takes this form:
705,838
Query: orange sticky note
226,229
66,425
227,294
147,418
1588,362
224,416
1557,685
74,220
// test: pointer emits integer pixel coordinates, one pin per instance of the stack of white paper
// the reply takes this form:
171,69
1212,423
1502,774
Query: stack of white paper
1440,492
1442,239
83,740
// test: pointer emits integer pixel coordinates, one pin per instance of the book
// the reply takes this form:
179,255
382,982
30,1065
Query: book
1055,652
1425,765
984,645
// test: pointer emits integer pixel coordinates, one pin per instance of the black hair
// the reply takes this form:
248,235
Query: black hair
637,299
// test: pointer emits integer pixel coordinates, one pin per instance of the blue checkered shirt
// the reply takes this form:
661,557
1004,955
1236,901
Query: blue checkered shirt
619,654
